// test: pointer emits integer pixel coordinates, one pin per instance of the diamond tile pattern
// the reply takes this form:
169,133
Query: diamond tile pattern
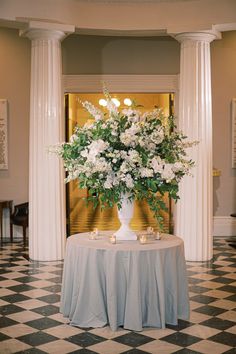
30,321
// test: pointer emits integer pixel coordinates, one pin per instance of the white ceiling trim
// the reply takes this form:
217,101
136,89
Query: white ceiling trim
121,83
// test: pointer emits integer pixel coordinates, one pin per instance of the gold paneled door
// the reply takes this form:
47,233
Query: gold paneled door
82,218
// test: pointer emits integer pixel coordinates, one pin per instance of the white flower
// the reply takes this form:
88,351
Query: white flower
141,141
167,173
73,138
157,164
132,114
124,167
146,172
108,183
150,146
157,136
125,150
129,137
133,157
95,112
129,181
94,149
98,146
84,153
177,166
112,107
128,112
101,165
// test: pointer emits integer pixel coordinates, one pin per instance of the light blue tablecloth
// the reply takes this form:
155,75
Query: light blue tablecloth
126,284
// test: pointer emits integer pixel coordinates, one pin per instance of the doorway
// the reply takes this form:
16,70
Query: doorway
83,218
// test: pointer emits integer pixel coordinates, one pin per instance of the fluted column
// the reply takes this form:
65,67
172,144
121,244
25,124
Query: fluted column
46,188
194,215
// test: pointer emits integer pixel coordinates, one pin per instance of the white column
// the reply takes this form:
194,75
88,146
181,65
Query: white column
47,232
194,215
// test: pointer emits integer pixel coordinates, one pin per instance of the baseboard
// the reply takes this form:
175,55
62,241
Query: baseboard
224,226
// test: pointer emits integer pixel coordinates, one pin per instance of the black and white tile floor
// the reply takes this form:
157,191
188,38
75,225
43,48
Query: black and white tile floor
30,321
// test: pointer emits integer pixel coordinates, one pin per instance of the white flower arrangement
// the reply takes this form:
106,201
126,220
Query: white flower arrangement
127,152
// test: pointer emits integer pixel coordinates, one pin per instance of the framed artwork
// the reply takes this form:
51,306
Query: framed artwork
3,135
234,133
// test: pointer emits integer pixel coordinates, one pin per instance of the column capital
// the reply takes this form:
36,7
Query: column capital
199,36
46,30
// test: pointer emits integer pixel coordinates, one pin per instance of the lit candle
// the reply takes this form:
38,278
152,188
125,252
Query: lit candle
92,236
150,230
95,231
113,239
158,235
143,239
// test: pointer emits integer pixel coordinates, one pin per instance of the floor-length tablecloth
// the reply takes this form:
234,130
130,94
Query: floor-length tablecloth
126,284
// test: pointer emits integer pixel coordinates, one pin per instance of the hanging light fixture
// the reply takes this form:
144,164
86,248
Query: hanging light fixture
127,102
102,102
116,102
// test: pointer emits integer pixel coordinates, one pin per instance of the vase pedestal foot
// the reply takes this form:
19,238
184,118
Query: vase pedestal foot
125,234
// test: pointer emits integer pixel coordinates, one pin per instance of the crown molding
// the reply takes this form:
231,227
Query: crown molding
121,83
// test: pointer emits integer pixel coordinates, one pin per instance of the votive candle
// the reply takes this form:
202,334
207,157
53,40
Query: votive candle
158,235
150,230
143,239
113,239
92,236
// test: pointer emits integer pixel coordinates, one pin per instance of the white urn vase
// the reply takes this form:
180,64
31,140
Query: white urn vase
125,214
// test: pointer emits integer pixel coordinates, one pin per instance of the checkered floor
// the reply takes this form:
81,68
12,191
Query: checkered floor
30,321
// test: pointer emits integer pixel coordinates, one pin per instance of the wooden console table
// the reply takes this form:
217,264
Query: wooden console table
4,204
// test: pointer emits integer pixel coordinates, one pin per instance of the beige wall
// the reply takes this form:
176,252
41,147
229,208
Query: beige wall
15,87
109,16
115,55
120,55
223,90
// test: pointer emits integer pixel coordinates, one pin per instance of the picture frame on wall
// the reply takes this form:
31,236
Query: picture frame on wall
233,112
233,132
3,134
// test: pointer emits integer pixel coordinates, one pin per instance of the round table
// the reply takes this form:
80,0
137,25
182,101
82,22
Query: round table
124,284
